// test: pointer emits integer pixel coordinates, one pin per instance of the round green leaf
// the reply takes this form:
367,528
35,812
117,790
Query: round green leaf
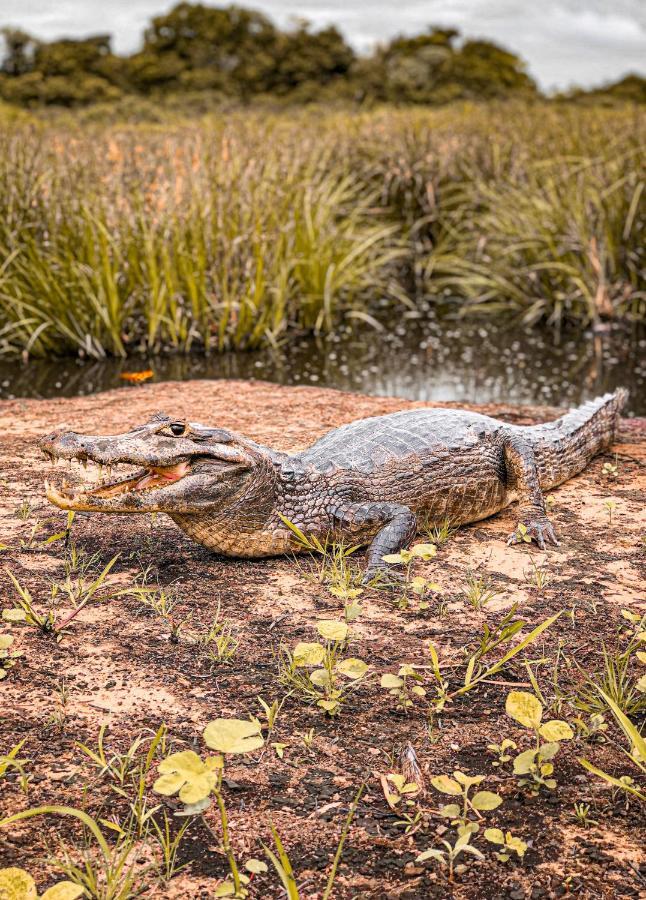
14,615
6,640
424,551
320,678
446,785
430,854
556,730
64,890
16,884
167,785
331,630
549,751
524,708
233,736
450,811
641,684
257,866
391,681
308,654
328,705
524,761
352,668
486,800
494,835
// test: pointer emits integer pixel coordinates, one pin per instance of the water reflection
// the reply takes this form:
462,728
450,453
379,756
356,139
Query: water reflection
417,356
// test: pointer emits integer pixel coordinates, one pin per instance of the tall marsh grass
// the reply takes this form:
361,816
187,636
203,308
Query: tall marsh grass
232,232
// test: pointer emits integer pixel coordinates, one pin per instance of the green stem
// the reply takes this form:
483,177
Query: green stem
62,811
226,843
339,850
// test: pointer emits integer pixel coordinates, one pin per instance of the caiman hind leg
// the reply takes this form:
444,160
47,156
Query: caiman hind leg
522,476
398,527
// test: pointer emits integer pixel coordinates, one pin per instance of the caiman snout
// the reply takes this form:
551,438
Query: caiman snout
62,443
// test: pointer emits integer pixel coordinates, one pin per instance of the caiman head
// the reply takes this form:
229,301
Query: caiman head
182,467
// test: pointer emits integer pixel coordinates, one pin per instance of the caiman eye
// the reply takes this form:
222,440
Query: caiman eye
178,428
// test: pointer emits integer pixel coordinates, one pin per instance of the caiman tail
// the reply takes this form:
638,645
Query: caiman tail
565,447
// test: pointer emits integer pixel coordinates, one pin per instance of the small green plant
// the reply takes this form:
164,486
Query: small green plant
537,575
610,470
450,854
592,730
11,760
336,568
130,767
636,753
477,671
479,590
163,602
331,677
439,534
581,815
17,883
59,716
535,766
610,505
507,842
79,593
619,679
398,791
218,640
500,751
24,510
405,685
459,786
407,557
270,713
196,780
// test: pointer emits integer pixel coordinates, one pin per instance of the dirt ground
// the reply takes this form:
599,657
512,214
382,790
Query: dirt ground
116,665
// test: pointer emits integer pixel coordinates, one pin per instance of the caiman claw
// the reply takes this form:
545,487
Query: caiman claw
539,529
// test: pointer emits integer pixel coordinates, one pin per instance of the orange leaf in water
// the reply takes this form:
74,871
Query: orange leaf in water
137,377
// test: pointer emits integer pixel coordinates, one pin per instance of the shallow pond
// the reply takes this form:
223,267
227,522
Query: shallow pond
416,356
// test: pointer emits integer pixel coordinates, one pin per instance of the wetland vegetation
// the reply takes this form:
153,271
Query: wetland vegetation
242,230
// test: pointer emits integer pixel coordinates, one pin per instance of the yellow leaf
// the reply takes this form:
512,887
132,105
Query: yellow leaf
446,785
16,884
233,736
484,800
494,835
525,708
331,630
352,668
556,730
64,890
308,654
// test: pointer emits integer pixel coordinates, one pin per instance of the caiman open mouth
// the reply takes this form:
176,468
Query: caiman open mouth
105,487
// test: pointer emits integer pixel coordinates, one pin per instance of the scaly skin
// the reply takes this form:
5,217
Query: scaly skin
368,482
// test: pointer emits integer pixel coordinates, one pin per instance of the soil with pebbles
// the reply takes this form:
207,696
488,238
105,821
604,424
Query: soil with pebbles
119,667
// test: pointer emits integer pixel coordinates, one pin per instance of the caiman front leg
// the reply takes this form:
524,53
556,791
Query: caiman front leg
398,529
523,476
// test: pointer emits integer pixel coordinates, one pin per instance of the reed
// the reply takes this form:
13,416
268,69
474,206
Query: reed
233,231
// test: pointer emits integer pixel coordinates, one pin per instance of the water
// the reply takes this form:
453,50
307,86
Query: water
416,356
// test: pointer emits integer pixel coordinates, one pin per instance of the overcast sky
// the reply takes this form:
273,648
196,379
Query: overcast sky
564,42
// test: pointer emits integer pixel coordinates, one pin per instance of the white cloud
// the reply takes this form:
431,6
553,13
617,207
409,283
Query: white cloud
563,41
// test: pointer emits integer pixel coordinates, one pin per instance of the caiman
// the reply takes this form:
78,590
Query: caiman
368,482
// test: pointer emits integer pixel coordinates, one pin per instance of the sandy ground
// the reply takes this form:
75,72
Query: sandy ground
118,667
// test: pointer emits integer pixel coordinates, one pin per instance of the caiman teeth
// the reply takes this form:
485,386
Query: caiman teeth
141,480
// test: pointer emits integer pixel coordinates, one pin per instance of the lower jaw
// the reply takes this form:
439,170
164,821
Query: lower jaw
134,488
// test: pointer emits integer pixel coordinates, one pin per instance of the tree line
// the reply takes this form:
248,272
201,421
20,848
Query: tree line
240,54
